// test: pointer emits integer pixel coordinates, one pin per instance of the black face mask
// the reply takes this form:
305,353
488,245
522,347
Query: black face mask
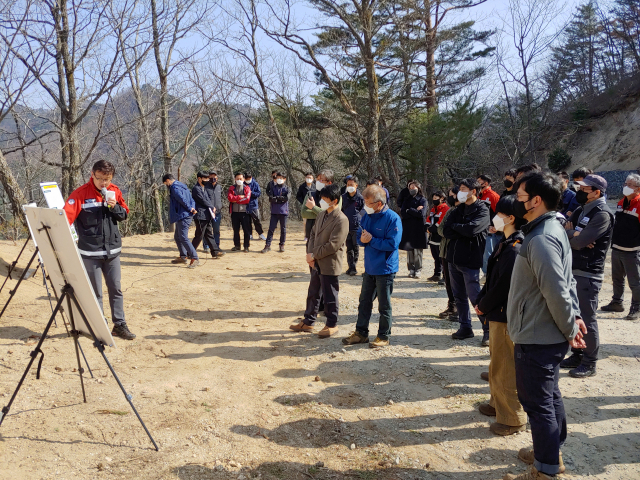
451,200
508,183
413,192
519,210
581,197
436,202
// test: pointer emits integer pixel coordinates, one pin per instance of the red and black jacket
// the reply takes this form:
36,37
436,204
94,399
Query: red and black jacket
96,224
436,215
626,232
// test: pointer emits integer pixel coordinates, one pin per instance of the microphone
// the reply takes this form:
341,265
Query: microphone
104,194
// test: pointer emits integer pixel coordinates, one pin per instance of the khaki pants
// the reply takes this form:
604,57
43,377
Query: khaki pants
502,377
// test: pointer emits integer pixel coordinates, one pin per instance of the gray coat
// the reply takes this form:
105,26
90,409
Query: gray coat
543,304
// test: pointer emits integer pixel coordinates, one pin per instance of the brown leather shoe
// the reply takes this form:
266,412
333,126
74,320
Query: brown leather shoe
531,474
327,332
487,410
505,430
485,376
526,455
301,327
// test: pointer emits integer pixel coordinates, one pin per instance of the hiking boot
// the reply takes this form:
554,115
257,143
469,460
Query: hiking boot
281,249
527,456
412,273
505,430
194,263
327,332
235,249
485,376
301,327
453,317
531,474
378,343
179,260
583,371
355,338
262,237
218,254
572,362
485,339
634,313
122,331
451,308
265,250
433,278
462,334
486,409
246,250
613,306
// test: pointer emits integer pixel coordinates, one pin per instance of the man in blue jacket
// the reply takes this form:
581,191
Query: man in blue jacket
182,208
252,208
279,199
380,233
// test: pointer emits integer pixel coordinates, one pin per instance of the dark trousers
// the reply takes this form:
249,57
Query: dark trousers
273,224
435,253
381,287
98,267
353,249
447,280
308,225
537,373
255,217
465,285
241,219
181,236
204,230
588,290
326,288
625,264
215,225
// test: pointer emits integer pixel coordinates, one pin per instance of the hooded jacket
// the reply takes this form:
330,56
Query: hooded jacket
96,224
381,253
466,228
543,304
180,202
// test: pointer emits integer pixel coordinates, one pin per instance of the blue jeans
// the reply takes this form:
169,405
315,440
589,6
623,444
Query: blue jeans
181,236
537,373
465,285
373,286
493,239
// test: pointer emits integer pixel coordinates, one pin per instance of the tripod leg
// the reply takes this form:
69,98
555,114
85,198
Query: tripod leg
34,354
15,262
126,395
13,292
75,334
46,285
85,360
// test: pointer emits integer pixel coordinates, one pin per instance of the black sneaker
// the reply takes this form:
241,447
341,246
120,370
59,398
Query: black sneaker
281,249
572,362
485,339
433,278
613,307
583,371
634,313
122,331
265,250
462,334
246,250
235,249
218,254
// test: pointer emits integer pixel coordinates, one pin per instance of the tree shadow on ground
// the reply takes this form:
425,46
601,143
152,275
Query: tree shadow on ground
300,471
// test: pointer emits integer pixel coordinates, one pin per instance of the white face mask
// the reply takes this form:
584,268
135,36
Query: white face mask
324,205
319,185
498,223
369,210
280,181
309,180
351,189
626,191
239,183
462,196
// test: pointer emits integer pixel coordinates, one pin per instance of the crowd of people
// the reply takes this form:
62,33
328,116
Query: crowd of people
541,245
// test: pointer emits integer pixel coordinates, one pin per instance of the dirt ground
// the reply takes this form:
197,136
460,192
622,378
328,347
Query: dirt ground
228,392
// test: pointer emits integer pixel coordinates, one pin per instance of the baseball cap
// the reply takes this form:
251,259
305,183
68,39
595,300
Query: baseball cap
594,181
213,172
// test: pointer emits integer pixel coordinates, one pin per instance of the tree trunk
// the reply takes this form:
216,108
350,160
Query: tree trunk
372,123
164,107
12,189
